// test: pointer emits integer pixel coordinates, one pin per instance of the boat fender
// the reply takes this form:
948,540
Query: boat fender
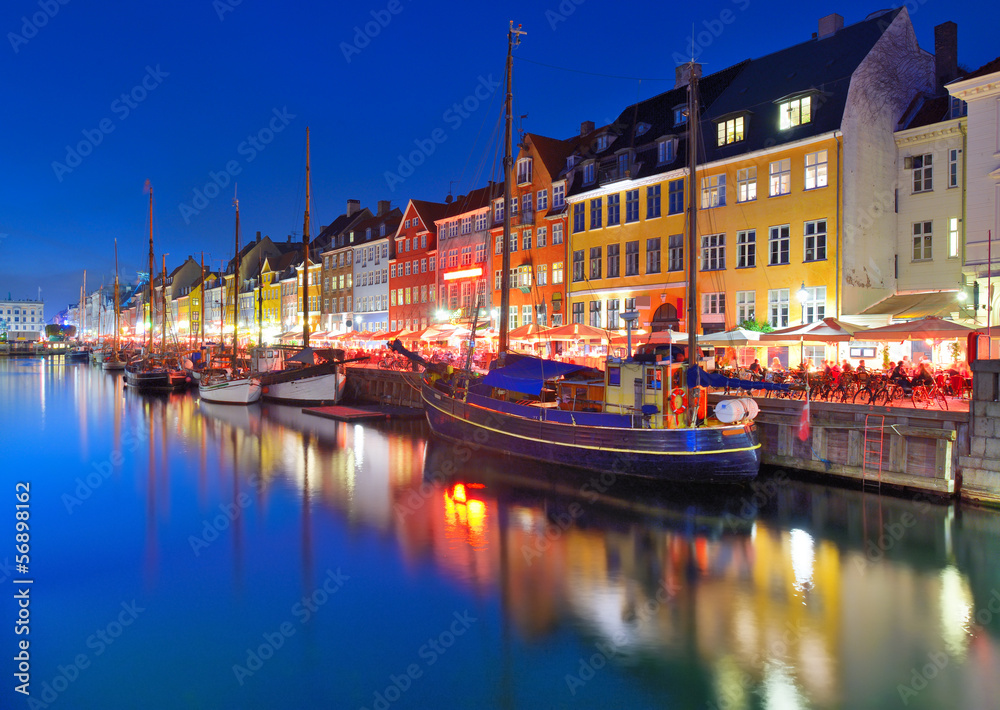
730,411
265,389
678,401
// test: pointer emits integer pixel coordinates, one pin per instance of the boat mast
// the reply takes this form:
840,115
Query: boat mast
236,285
513,39
692,236
201,305
149,329
305,257
83,306
100,308
260,301
116,304
163,305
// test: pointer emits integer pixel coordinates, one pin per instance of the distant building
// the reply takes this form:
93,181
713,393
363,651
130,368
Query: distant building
22,320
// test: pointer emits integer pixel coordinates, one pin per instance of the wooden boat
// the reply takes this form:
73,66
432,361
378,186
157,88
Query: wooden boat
113,360
632,419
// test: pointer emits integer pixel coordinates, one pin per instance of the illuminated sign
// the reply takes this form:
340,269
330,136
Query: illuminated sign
464,274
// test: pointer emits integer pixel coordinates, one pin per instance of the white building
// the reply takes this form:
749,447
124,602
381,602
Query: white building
980,90
22,320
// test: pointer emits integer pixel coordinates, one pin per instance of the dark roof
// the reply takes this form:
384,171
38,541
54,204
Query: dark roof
552,152
390,219
326,238
477,199
429,212
988,68
925,111
821,66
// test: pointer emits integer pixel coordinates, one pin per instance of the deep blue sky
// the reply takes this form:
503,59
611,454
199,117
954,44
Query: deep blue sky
217,77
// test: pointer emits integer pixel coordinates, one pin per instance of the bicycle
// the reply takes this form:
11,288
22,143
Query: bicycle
925,394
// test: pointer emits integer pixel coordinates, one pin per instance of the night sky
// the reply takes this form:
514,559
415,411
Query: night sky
100,97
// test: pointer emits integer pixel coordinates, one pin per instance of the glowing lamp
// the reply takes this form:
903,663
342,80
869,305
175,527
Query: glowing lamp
463,274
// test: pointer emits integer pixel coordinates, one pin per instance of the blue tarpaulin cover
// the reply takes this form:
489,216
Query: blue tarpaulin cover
528,374
699,378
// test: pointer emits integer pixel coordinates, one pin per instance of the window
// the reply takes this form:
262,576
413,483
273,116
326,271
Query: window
778,244
665,151
430,263
745,305
953,238
526,205
815,170
595,262
595,314
557,233
675,252
613,209
512,319
466,225
746,184
815,240
631,259
579,223
542,274
777,300
731,130
430,293
601,143
680,115
543,200
921,241
958,108
814,305
557,272
466,257
480,225
541,315
496,280
381,230
558,195
746,249
480,255
613,314
653,255
652,201
713,304
713,191
452,258
543,233
713,252
795,112
596,213
781,177
588,173
923,173
614,260
675,204
513,242
498,244
953,167
577,312
407,268
526,239
523,171
498,211
632,206
578,265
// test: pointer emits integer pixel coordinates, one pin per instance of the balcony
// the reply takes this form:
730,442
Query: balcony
613,174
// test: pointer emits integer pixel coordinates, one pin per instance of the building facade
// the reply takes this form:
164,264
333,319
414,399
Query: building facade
412,262
22,319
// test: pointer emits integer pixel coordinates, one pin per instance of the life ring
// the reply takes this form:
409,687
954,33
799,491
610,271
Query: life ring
678,401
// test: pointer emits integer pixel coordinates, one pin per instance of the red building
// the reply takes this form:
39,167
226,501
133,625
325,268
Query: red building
412,283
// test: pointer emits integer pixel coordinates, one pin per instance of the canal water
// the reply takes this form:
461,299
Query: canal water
184,555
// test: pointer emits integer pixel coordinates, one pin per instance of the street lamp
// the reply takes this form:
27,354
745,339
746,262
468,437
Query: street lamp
803,296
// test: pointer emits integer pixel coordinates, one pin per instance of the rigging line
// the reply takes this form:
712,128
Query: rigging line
590,73
475,142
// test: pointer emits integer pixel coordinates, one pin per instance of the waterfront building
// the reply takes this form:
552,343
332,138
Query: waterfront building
371,238
462,254
412,262
536,281
980,92
337,253
796,144
22,319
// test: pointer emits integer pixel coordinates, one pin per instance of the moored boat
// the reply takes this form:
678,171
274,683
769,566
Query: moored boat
220,386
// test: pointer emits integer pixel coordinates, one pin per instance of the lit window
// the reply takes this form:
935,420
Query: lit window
746,184
816,170
713,191
795,112
731,130
781,177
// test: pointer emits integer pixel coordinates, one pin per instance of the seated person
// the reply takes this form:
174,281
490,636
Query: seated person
897,374
776,365
861,366
755,368
924,376
846,367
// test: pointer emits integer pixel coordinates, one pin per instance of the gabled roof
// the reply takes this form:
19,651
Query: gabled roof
326,238
429,212
926,111
475,200
390,219
552,152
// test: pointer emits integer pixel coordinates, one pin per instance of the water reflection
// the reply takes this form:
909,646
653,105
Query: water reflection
789,594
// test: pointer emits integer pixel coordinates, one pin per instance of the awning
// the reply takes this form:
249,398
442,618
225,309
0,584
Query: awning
915,305
527,375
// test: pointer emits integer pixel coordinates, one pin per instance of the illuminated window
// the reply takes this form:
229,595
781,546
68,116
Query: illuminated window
731,130
815,170
795,112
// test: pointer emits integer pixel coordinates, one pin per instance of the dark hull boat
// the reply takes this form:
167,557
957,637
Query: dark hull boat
598,441
145,376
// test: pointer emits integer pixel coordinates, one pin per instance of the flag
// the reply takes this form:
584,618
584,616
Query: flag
803,431
146,188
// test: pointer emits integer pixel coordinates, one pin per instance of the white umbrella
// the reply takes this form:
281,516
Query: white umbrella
731,338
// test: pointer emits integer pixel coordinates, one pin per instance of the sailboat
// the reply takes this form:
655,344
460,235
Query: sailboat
229,386
151,372
301,378
112,360
632,419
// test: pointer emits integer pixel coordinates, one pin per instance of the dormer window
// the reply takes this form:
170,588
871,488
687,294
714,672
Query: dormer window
730,130
665,150
601,143
641,129
368,233
794,112
524,171
381,230
570,162
588,173
680,114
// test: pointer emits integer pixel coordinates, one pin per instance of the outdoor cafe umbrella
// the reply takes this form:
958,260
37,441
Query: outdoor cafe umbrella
927,328
827,330
738,337
578,331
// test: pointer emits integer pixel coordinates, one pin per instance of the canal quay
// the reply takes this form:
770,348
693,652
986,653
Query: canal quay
190,555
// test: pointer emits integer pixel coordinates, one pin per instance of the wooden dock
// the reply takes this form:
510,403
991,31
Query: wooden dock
343,413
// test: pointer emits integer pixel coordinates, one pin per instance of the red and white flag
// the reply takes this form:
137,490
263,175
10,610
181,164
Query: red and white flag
803,430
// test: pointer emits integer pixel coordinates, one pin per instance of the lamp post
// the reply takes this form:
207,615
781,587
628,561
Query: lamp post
803,296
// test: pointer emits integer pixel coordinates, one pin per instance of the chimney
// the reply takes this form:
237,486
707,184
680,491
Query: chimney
383,207
353,206
682,74
258,236
586,127
830,24
945,53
